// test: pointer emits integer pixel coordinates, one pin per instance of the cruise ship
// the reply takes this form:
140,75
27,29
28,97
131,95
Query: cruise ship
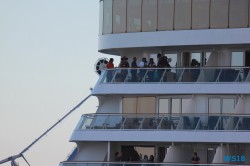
199,102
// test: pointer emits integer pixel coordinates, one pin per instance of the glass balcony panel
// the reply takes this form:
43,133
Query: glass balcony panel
132,122
149,123
85,122
166,75
114,122
165,122
99,122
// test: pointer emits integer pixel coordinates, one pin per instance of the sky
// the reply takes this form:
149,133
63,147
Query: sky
48,49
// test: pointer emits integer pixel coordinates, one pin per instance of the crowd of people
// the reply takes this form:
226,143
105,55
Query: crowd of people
139,75
139,158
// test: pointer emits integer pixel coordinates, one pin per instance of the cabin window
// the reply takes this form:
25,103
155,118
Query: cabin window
107,16
214,106
134,15
195,59
101,18
163,106
119,16
228,105
221,105
149,15
165,14
139,105
237,58
176,106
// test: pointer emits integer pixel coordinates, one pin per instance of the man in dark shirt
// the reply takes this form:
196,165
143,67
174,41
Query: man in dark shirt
195,159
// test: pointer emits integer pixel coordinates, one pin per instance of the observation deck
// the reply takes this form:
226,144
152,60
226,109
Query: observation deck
210,80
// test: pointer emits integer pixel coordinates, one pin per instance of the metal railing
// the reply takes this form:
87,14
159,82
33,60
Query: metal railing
175,75
136,164
164,122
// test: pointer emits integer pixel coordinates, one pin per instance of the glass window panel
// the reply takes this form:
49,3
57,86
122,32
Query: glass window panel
149,15
172,59
100,17
200,14
119,16
214,106
219,13
134,15
237,59
195,59
163,106
165,14
146,105
129,105
238,13
185,105
176,106
182,18
107,16
207,56
228,105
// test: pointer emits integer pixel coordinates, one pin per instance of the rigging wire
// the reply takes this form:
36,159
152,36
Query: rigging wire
13,158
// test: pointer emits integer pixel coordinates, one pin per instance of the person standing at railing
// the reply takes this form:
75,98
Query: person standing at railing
142,64
110,65
124,64
151,64
134,71
162,63
195,159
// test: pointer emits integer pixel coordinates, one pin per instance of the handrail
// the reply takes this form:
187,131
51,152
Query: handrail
175,74
89,163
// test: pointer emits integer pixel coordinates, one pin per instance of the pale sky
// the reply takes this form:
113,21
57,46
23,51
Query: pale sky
48,49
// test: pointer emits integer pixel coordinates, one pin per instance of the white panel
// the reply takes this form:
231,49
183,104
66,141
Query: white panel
134,15
87,149
107,16
238,13
165,14
182,17
149,15
200,14
219,14
119,16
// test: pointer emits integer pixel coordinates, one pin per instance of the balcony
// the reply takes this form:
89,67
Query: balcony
133,164
205,80
176,75
195,122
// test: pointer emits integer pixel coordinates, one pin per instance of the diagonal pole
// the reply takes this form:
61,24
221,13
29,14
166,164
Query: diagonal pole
13,158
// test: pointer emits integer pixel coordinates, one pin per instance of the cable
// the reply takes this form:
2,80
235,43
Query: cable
13,158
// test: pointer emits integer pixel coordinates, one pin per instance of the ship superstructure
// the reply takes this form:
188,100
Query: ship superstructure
201,103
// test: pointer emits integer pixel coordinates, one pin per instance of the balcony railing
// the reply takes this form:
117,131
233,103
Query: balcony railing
175,75
134,164
164,122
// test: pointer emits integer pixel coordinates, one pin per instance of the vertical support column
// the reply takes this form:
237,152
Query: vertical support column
108,155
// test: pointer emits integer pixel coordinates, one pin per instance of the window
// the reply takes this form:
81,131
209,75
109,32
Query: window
107,17
214,106
163,106
237,58
176,106
134,15
221,105
228,105
137,105
119,16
